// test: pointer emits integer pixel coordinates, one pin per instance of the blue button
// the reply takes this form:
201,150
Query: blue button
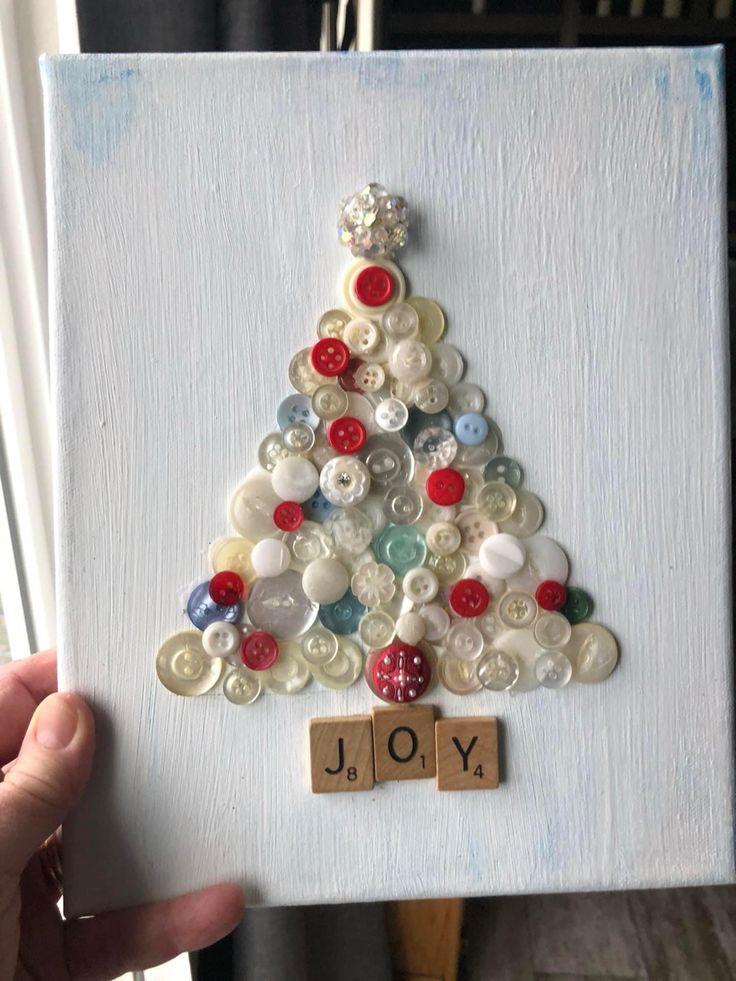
419,420
471,428
400,547
343,616
318,508
202,609
296,408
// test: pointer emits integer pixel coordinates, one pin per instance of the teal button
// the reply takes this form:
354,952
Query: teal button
342,617
504,470
400,548
578,605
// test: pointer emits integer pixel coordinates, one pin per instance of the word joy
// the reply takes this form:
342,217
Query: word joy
352,753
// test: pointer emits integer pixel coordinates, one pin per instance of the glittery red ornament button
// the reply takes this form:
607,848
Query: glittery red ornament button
401,673
373,286
288,515
330,356
445,486
551,595
469,598
226,588
346,380
259,650
346,435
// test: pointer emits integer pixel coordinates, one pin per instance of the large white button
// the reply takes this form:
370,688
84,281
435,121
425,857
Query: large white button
280,606
345,481
251,506
420,586
221,639
411,628
593,651
183,666
544,560
447,364
270,557
410,361
501,555
325,581
436,620
295,479
443,538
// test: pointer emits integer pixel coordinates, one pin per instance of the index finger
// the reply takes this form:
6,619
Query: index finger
23,684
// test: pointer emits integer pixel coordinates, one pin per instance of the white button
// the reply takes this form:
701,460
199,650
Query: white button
501,555
431,318
411,628
443,538
490,625
183,667
345,481
343,670
270,557
351,275
351,531
370,377
391,415
295,479
302,375
221,639
465,397
544,560
401,322
459,677
361,336
402,505
431,395
447,568
332,323
527,517
376,629
308,542
496,500
498,670
319,645
280,607
325,581
474,528
436,620
517,609
447,364
410,361
330,402
289,674
298,437
553,669
251,506
594,652
389,460
231,555
464,641
420,586
373,583
241,687
271,449
403,391
552,631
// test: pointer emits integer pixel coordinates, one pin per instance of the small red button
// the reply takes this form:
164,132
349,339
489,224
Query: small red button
401,673
445,486
346,435
469,598
373,286
330,356
347,378
259,650
226,588
288,515
551,595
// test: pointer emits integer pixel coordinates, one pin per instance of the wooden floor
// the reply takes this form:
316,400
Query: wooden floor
669,935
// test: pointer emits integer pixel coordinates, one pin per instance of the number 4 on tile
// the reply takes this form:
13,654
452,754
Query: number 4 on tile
467,754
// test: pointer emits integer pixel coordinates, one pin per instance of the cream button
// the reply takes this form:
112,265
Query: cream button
498,670
232,555
431,395
271,449
270,557
360,408
496,500
465,397
458,676
593,651
298,437
391,415
447,363
431,318
410,361
345,481
330,402
332,323
553,669
221,639
343,670
474,528
411,628
401,322
464,641
241,687
517,609
319,645
376,629
361,336
289,674
325,581
436,622
502,555
447,568
443,538
251,506
295,479
183,666
552,631
527,517
280,606
370,377
353,274
420,585
544,560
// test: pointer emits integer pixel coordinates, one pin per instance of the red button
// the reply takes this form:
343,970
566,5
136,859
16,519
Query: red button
401,673
551,595
288,515
347,378
346,435
469,598
445,486
373,286
259,650
330,356
226,588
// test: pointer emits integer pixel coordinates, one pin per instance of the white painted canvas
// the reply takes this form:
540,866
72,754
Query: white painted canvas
570,220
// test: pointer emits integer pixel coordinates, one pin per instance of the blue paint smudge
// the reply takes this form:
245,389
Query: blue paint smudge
662,83
705,86
101,103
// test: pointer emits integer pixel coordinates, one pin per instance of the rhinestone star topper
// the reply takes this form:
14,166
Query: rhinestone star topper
373,223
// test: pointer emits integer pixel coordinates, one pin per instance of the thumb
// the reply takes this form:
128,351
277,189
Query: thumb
46,780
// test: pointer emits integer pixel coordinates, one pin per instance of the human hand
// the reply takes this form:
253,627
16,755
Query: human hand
46,747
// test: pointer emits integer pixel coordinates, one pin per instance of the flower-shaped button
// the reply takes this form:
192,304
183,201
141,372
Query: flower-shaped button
346,435
445,486
330,356
373,583
345,481
401,673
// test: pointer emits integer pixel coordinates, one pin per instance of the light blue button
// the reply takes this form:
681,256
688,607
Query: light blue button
400,547
471,428
296,408
343,616
318,508
202,609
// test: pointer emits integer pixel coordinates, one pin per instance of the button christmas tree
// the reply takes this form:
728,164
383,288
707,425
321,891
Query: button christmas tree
384,537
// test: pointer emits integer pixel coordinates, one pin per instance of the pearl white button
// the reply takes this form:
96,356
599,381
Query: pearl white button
553,669
552,630
501,555
279,605
345,481
443,538
221,639
343,670
241,687
436,620
376,629
332,323
290,673
401,322
370,377
593,651
325,581
498,670
544,560
295,479
361,336
465,397
251,506
351,531
411,628
458,676
270,557
496,500
474,528
330,402
527,516
517,609
391,415
464,641
447,363
447,568
183,667
420,586
431,395
319,645
410,361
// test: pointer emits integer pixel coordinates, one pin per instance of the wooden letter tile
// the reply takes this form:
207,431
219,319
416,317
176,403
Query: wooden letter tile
467,754
403,742
341,753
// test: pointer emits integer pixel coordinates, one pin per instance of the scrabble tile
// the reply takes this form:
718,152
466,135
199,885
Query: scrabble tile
467,754
341,752
403,742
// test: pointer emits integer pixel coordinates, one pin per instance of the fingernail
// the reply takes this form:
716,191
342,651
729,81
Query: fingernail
56,723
